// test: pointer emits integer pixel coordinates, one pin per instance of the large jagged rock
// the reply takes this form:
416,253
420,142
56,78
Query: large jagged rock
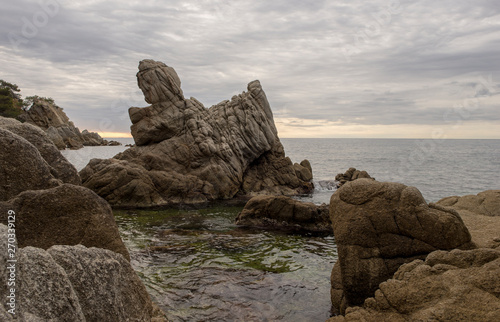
72,283
63,133
60,167
186,153
447,286
280,212
380,226
64,215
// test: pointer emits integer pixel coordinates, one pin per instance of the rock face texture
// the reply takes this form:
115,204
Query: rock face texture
486,203
351,175
280,212
481,214
73,283
23,167
60,167
186,153
380,226
447,286
55,282
63,133
64,215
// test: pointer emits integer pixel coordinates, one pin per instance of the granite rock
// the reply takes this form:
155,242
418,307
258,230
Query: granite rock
285,213
380,226
186,153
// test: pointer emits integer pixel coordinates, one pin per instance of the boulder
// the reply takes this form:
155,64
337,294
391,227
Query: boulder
481,215
448,286
380,226
186,153
63,133
280,212
350,175
73,283
304,173
23,167
61,168
486,203
64,215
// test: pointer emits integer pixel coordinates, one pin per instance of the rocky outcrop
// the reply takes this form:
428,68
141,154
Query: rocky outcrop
52,281
60,168
351,175
63,133
481,214
486,203
447,286
380,226
64,215
186,153
23,167
280,212
72,283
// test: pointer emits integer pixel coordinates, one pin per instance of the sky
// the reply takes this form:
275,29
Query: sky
332,69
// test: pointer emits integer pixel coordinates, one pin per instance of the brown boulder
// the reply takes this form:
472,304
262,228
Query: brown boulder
350,175
64,215
486,203
447,286
186,153
280,212
61,168
379,226
23,167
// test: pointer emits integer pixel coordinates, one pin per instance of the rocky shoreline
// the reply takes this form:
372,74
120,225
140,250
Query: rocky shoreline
399,258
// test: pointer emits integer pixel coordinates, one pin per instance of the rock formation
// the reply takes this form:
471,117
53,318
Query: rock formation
447,286
280,212
481,214
57,282
186,153
380,226
64,215
63,133
59,166
486,203
72,283
350,175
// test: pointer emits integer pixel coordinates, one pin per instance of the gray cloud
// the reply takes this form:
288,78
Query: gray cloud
387,62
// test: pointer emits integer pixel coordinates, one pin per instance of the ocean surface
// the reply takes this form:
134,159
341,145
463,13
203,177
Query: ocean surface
199,266
438,168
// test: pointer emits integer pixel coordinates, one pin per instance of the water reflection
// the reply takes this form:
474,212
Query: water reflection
199,266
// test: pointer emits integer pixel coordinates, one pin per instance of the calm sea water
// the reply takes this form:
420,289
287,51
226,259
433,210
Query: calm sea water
199,266
438,168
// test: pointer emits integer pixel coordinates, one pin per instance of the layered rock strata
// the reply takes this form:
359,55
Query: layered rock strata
186,153
380,226
285,213
63,133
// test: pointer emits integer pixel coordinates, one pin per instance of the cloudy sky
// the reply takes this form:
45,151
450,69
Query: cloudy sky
410,69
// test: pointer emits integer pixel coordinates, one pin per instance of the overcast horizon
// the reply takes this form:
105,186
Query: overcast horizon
339,69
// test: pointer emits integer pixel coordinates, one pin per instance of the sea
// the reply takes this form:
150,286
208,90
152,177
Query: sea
199,266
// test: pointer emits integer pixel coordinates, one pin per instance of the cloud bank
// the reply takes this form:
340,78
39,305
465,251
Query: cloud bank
329,68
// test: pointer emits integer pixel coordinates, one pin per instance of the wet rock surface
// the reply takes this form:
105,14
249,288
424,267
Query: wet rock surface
186,153
380,226
280,212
